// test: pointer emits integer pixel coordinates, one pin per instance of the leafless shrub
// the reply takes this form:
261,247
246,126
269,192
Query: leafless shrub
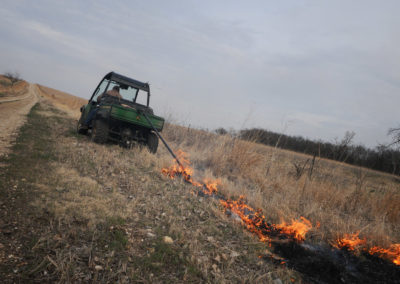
14,77
300,168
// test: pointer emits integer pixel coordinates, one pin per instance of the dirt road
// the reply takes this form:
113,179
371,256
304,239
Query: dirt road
12,115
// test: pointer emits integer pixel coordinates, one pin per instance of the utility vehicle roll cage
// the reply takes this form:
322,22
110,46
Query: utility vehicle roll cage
123,83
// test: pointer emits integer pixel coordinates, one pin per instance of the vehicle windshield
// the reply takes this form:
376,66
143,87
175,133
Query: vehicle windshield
128,93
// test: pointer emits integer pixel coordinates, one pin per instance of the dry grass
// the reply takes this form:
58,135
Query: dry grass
342,198
129,187
66,102
100,213
101,205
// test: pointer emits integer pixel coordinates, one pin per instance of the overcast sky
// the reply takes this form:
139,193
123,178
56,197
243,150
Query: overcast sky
310,68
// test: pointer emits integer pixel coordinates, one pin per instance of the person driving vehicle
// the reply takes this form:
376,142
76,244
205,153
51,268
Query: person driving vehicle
114,92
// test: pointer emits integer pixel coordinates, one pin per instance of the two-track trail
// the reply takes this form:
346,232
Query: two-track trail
13,112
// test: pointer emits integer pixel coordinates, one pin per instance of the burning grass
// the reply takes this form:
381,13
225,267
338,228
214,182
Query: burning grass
322,264
341,199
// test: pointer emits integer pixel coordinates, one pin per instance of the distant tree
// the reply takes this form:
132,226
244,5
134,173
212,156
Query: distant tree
382,158
14,77
221,131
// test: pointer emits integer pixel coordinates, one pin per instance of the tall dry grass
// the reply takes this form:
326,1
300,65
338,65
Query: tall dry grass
107,206
342,198
91,187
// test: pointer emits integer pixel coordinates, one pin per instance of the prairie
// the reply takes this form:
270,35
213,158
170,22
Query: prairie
343,199
76,211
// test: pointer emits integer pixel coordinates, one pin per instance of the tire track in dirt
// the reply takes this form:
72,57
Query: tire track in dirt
19,98
13,115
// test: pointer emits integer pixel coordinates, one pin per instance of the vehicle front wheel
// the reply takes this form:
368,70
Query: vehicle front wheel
100,132
152,142
80,128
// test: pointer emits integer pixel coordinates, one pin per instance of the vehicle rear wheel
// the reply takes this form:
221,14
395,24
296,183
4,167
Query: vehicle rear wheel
152,142
99,132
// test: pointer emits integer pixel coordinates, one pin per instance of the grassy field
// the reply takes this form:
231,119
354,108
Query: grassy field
342,199
73,210
77,211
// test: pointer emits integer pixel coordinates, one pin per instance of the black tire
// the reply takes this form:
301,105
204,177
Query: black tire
100,132
152,142
80,128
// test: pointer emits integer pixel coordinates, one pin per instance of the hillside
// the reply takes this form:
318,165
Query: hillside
64,101
78,211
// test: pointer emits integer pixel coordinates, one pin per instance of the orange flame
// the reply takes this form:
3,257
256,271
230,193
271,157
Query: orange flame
350,241
184,171
209,187
298,229
175,170
392,253
252,219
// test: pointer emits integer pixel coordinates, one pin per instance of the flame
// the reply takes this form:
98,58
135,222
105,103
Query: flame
350,241
298,229
392,253
208,187
353,242
253,220
175,170
211,187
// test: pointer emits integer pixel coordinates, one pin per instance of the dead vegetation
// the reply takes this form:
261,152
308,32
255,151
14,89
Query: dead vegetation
343,199
88,212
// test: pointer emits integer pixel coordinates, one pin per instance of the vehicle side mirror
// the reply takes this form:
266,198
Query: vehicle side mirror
82,108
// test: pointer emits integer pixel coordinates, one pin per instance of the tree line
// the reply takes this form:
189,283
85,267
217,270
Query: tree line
381,158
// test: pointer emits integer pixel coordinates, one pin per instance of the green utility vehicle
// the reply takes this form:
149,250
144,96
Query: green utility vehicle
126,118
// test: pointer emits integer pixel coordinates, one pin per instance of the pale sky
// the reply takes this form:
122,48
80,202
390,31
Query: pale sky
309,68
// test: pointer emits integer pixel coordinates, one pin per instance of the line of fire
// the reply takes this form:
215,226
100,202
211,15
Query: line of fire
345,260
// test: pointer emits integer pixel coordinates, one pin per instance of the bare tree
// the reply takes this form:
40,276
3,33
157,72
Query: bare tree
395,133
14,77
341,148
